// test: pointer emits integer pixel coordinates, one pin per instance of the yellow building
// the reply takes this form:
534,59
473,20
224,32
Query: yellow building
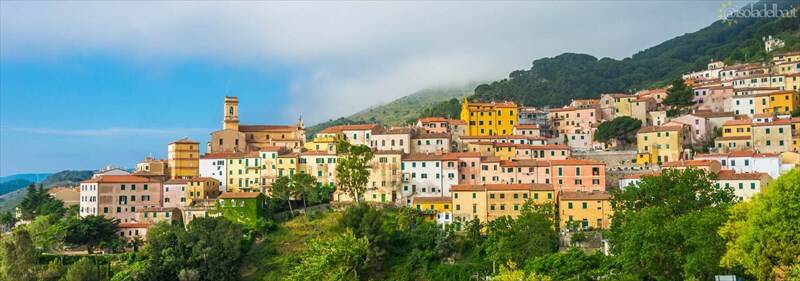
152,165
245,173
660,144
796,129
201,188
736,135
587,210
483,147
489,119
784,102
288,164
320,164
488,202
435,209
792,82
385,178
183,159
623,105
505,151
775,136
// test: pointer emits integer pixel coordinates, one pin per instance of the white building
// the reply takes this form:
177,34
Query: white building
395,139
744,185
749,162
428,175
430,143
214,165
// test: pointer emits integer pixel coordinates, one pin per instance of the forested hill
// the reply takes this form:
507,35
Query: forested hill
557,80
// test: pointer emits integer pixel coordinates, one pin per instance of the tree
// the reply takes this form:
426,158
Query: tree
352,168
18,256
7,219
622,128
38,202
762,233
679,95
332,259
48,233
664,227
304,185
91,231
573,264
83,269
509,272
282,189
531,234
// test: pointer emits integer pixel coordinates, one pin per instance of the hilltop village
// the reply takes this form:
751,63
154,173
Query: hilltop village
736,123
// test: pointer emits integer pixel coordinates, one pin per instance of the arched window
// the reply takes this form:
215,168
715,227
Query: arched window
230,110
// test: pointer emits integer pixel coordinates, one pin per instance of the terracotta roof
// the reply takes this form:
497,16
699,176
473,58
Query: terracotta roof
396,131
55,190
457,122
422,157
524,163
526,126
222,155
203,179
494,104
353,127
433,119
574,161
120,179
185,140
177,181
563,109
457,155
651,129
431,200
551,147
776,122
261,128
432,136
501,187
317,153
239,195
738,122
689,163
490,159
709,114
581,195
731,175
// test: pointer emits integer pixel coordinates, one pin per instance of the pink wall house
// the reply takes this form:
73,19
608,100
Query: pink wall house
175,193
578,175
118,197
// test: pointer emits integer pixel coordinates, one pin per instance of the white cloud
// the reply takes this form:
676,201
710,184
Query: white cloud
346,54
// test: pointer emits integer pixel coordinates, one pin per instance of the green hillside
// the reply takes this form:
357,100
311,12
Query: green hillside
12,197
557,80
399,111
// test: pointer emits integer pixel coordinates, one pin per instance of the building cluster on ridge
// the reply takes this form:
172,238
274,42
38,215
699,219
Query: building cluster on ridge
487,164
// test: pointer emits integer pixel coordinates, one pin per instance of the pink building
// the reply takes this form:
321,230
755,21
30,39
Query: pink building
578,175
469,166
118,197
175,193
525,171
699,127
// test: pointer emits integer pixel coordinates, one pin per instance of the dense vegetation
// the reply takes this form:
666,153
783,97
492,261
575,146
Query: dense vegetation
557,80
622,129
675,226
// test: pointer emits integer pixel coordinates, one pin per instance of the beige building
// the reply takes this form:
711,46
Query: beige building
587,210
488,202
775,136
245,138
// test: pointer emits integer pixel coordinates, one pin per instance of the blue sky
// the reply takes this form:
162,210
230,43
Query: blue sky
87,84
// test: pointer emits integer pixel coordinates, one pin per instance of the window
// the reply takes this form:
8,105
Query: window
569,205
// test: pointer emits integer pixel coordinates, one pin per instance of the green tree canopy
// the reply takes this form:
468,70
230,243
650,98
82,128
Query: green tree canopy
762,234
84,269
532,234
38,202
283,189
18,256
621,128
664,227
337,259
352,168
91,231
679,95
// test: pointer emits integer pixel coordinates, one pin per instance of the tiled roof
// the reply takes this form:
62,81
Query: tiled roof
574,161
433,119
184,140
134,224
262,128
563,109
732,138
738,122
709,114
524,163
422,157
353,127
177,181
581,195
239,195
222,155
432,136
731,175
776,122
502,187
120,179
651,129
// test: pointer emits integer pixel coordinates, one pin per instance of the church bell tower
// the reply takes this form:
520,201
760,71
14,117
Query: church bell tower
231,114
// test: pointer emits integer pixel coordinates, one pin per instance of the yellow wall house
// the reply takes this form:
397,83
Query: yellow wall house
659,144
183,159
435,209
587,210
488,202
488,119
245,173
736,135
202,188
385,177
784,102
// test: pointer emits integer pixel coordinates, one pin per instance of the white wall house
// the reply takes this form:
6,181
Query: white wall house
749,162
425,175
216,168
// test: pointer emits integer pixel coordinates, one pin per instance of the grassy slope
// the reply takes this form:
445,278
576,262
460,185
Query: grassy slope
399,111
275,256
